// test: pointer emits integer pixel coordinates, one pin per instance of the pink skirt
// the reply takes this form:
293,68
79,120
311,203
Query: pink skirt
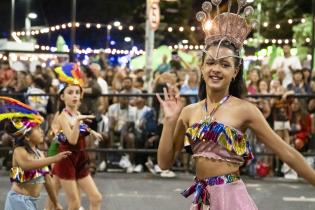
220,193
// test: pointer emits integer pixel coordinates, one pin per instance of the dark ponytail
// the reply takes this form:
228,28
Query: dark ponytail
237,85
61,104
19,141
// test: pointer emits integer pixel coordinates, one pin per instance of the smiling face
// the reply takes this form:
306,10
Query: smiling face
263,86
71,96
219,68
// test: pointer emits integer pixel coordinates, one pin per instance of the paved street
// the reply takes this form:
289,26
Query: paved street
143,191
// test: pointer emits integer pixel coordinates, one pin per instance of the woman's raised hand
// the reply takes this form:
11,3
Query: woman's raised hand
171,104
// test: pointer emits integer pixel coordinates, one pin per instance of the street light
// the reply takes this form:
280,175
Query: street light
32,15
116,23
127,39
28,18
108,28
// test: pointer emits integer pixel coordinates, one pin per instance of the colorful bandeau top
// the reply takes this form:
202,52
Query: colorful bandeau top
211,139
34,176
60,137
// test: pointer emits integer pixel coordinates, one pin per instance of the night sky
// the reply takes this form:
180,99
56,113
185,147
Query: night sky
129,12
53,12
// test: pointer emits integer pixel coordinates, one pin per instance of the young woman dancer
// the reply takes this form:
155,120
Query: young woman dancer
213,129
73,172
29,170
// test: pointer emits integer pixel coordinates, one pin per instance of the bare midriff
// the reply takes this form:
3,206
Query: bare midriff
206,167
27,189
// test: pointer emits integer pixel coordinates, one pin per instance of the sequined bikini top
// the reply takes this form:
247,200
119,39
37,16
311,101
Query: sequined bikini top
211,139
60,137
34,176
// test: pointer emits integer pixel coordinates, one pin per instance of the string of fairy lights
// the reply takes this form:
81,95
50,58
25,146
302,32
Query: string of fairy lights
182,45
118,25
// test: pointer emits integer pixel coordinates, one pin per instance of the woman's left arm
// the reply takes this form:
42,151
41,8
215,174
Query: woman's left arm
256,121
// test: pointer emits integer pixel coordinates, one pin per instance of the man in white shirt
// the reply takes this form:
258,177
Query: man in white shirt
122,118
38,102
127,88
103,101
287,64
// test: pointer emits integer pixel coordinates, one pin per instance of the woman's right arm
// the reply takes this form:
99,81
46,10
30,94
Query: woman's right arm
171,141
26,162
73,133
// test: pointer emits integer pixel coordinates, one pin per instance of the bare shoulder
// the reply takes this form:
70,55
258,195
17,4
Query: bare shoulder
188,110
62,118
20,152
246,108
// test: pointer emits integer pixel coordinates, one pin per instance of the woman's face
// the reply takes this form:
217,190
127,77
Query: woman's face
263,86
298,77
218,73
29,80
193,76
295,106
274,84
37,135
253,76
71,95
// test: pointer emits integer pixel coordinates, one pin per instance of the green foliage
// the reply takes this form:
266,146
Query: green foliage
279,11
301,32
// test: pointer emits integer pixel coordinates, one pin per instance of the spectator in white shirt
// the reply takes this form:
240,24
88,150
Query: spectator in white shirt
128,88
38,102
287,64
122,118
103,101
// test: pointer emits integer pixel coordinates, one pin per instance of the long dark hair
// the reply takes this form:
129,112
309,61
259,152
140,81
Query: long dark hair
19,141
237,85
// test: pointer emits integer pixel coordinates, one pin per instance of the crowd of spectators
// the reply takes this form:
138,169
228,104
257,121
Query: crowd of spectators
136,122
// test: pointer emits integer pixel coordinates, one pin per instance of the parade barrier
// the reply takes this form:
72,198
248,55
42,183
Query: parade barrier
120,151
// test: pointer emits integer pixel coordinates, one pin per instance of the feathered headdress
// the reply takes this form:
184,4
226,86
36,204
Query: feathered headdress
70,74
228,26
22,116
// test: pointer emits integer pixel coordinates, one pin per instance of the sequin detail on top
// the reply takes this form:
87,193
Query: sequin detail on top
60,137
211,139
17,174
229,138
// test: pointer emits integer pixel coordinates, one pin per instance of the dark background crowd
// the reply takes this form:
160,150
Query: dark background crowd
135,122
